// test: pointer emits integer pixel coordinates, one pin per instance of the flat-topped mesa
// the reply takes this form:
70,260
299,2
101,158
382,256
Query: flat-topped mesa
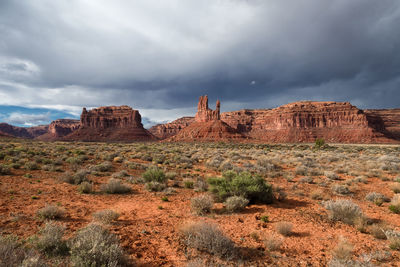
110,124
205,114
111,117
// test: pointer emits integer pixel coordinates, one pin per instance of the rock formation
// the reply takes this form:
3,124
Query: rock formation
59,128
390,118
207,126
23,132
163,131
110,124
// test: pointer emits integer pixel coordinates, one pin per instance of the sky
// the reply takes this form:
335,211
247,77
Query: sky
160,56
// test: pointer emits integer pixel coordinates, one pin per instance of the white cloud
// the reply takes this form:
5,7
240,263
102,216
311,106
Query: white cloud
27,119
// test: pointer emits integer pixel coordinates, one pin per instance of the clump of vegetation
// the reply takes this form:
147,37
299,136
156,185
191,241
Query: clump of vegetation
85,188
120,174
273,243
115,186
254,188
51,212
51,240
343,210
12,253
31,166
155,186
105,216
319,143
4,169
284,228
394,239
395,187
154,174
103,167
96,246
376,198
378,231
207,238
341,189
395,204
202,204
236,203
77,178
343,251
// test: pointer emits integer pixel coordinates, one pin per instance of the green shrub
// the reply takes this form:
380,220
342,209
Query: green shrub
31,166
114,186
395,204
236,203
77,178
394,239
96,246
207,238
319,143
103,167
154,174
202,204
4,169
155,186
51,240
12,253
50,212
253,188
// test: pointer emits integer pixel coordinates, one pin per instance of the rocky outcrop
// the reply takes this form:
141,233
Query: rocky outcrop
205,114
390,118
163,131
207,126
59,128
110,124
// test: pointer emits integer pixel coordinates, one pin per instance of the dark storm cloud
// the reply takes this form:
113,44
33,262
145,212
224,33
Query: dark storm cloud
159,56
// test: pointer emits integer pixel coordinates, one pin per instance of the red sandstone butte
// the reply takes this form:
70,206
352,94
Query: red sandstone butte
207,126
163,131
59,128
110,124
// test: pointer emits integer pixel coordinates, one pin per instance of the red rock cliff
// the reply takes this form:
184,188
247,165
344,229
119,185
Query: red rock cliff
110,124
166,130
390,118
60,128
205,114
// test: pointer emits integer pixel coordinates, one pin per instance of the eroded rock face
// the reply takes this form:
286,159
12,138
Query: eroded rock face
390,118
59,128
166,130
205,114
110,124
23,132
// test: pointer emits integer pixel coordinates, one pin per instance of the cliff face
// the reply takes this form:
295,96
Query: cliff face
59,128
205,114
390,118
306,121
23,132
164,131
110,124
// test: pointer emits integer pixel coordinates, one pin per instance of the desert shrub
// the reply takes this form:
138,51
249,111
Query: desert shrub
395,204
284,228
343,251
331,175
114,186
154,174
253,188
155,186
51,240
395,187
96,246
361,224
343,210
77,178
120,174
200,185
85,188
378,231
273,243
319,143
267,164
50,212
394,239
301,170
307,180
341,189
236,203
202,204
171,175
375,197
4,169
12,253
31,166
317,194
188,183
105,216
207,238
103,167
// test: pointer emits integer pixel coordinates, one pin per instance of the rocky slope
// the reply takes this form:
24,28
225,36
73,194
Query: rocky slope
23,132
163,131
390,119
207,126
110,124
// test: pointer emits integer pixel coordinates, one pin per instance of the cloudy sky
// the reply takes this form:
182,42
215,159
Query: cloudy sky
159,56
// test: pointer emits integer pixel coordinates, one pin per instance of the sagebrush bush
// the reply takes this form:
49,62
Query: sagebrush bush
394,239
115,186
12,253
343,251
395,204
76,178
51,212
375,197
378,231
236,203
96,246
154,174
207,238
202,204
272,243
155,186
31,166
103,167
254,188
343,210
340,189
105,216
51,240
85,188
284,228
4,169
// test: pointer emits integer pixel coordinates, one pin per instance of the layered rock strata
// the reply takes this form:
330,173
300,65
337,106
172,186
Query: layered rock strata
59,128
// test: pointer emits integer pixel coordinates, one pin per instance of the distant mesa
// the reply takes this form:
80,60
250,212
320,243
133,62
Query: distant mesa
296,122
110,124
